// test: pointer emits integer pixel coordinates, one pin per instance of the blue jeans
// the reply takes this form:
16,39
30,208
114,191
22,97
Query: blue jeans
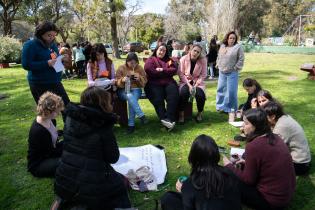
227,91
133,105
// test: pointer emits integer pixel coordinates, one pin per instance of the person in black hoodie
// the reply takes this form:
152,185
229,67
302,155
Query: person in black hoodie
85,176
44,150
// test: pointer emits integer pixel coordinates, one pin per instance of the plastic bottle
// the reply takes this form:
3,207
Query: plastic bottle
127,85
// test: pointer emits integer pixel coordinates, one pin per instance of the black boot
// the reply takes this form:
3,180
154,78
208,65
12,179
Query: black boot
130,129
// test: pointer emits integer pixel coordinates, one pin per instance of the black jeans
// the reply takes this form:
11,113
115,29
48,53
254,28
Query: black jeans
301,168
47,168
38,89
252,198
185,94
158,93
172,201
80,67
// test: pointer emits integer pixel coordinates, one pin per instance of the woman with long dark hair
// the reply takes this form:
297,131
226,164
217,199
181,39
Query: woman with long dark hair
252,87
210,186
292,134
100,67
263,97
267,174
230,62
161,86
38,58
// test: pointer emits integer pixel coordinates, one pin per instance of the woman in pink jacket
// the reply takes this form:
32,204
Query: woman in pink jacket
192,73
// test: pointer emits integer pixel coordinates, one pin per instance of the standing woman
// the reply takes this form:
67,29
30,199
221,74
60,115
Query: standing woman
160,69
38,57
192,73
131,74
100,67
230,61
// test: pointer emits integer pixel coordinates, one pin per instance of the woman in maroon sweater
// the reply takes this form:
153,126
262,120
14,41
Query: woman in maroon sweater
161,86
267,177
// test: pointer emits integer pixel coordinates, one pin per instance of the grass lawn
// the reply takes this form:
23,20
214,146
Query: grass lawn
278,73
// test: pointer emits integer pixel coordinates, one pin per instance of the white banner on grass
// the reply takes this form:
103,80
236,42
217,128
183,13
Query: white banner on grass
147,155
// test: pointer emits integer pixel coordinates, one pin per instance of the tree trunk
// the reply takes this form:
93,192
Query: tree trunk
7,27
113,24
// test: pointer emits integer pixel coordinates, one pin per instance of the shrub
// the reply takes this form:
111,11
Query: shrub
10,49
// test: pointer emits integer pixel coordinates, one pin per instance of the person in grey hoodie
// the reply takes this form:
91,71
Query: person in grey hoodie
230,61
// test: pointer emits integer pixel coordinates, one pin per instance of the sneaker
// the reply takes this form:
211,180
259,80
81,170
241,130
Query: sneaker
231,117
198,117
130,129
167,123
143,120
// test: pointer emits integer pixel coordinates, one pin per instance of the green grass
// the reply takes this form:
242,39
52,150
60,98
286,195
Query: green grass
278,73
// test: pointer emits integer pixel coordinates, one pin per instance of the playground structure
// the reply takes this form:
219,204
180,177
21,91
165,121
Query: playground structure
298,32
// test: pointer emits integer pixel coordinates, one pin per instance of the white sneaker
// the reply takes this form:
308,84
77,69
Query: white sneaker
231,117
168,124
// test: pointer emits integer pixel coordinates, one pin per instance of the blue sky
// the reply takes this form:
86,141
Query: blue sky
154,6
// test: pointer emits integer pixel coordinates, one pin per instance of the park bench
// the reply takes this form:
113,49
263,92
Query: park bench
120,108
310,68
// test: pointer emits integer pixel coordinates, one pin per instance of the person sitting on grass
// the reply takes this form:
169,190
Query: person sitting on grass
161,86
132,74
263,97
267,173
100,69
85,176
252,87
293,135
192,73
44,149
210,186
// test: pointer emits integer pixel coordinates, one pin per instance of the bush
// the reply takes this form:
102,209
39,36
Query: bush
10,49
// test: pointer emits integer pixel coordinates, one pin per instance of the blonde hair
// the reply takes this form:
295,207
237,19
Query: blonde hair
49,103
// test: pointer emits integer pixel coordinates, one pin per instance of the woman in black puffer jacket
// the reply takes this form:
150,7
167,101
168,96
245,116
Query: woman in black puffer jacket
85,176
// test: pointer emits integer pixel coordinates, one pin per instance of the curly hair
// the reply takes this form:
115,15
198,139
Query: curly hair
49,103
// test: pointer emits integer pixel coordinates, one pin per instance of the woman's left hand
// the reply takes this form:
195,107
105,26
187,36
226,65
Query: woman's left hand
179,186
226,160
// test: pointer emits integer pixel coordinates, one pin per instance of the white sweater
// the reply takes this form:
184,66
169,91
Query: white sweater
293,135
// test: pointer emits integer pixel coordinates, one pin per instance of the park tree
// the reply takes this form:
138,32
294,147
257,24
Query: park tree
8,11
183,19
56,11
147,27
283,12
250,16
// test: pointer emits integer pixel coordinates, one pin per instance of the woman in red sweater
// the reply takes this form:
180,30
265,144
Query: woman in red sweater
267,175
161,86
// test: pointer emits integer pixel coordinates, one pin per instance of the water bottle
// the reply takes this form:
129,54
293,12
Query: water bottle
127,85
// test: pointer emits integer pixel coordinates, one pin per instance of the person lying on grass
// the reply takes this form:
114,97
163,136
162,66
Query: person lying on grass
44,149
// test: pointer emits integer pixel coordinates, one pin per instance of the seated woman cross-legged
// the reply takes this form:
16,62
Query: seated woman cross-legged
44,150
161,86
192,73
84,176
210,186
293,135
130,79
267,173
